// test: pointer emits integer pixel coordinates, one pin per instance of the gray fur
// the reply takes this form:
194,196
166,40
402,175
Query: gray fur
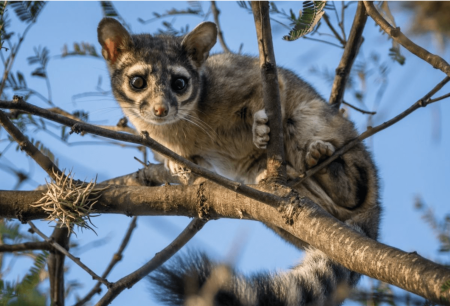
212,122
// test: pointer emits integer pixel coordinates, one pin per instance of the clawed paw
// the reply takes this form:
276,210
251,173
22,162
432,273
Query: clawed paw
260,129
317,150
177,170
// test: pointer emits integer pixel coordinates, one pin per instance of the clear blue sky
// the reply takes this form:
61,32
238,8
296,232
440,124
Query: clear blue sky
413,159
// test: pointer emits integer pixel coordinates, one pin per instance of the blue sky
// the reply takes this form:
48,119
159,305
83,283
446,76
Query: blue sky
411,159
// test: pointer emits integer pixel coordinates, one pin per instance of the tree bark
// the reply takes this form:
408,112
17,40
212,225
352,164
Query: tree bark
306,221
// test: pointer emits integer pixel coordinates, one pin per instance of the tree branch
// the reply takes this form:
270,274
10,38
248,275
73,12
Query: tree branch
65,252
27,246
336,34
116,258
302,218
25,145
55,264
276,164
348,57
371,131
434,60
128,281
216,13
298,216
358,109
145,140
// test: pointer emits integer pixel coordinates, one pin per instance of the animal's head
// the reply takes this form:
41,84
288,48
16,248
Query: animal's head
155,78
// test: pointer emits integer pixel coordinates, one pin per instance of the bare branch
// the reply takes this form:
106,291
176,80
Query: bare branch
65,252
216,13
336,34
55,264
298,216
434,60
301,217
79,127
358,109
161,257
348,57
371,131
276,164
27,246
116,258
46,164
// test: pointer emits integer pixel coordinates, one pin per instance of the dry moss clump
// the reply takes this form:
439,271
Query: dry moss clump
69,202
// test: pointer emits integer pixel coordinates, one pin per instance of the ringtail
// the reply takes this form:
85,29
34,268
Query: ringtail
209,109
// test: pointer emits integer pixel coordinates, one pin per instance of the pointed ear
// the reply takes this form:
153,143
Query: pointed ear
198,42
113,38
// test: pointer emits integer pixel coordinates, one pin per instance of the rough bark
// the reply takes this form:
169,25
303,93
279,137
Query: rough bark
276,165
55,264
306,221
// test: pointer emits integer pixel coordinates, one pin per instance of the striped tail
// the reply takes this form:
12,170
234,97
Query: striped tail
193,279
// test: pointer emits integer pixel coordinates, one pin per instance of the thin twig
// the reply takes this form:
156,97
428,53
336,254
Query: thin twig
369,132
358,109
116,258
216,13
439,98
128,281
348,57
11,58
336,34
434,60
276,165
65,252
323,41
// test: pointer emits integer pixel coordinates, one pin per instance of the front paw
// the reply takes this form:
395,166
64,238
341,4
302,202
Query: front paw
260,129
177,170
316,151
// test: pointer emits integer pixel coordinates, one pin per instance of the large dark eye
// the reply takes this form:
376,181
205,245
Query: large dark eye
137,82
179,84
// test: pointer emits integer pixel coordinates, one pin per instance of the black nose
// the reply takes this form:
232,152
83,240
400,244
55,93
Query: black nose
160,111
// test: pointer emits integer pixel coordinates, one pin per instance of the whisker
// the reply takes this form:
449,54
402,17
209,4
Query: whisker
201,122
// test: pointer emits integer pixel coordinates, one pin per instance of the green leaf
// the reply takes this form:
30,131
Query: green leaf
194,9
27,11
84,49
108,9
307,20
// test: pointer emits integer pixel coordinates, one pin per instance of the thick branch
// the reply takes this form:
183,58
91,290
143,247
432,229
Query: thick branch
307,221
55,264
144,140
434,60
348,57
276,165
26,246
160,258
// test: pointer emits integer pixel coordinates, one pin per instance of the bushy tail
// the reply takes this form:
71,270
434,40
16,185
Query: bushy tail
195,280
